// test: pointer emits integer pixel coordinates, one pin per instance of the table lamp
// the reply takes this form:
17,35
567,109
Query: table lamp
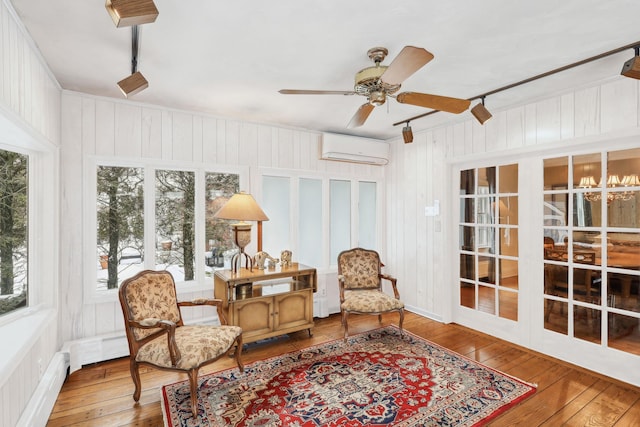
242,207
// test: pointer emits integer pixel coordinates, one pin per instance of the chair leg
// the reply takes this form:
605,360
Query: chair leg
135,375
239,353
345,324
379,318
401,319
193,385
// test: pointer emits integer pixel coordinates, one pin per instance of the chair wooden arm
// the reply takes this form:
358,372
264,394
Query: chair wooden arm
393,281
341,280
169,327
214,302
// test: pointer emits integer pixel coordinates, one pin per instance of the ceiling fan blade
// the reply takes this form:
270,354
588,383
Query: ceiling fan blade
361,115
409,60
436,102
315,92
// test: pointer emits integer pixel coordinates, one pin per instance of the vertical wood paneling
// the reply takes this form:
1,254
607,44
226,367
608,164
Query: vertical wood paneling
587,112
479,135
422,171
248,143
619,100
459,141
468,137
232,143
515,127
105,317
105,128
209,140
548,120
182,137
264,146
530,124
285,149
166,135
567,116
221,141
71,280
127,130
198,149
151,133
89,320
88,126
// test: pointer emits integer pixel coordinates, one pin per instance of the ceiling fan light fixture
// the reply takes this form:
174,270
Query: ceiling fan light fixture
481,113
407,134
133,84
125,13
377,98
631,68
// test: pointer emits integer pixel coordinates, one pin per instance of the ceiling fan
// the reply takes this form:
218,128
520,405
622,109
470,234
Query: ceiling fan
380,81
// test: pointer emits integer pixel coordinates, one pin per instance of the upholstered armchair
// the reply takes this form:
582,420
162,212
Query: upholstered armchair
157,336
360,281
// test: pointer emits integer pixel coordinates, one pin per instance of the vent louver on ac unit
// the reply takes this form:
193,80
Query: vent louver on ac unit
347,148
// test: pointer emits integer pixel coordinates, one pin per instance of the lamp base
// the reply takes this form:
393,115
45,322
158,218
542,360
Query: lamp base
236,262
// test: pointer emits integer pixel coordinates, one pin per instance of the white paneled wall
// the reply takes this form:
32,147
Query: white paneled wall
29,119
127,131
419,173
605,116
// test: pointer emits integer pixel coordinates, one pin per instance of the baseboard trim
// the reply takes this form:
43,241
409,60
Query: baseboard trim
39,408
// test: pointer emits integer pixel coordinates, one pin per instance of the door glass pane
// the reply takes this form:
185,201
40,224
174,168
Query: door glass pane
508,179
467,238
276,196
623,250
467,266
587,172
219,187
508,238
487,179
555,316
586,324
310,222
623,291
467,213
467,181
508,270
467,295
175,223
367,215
556,173
508,210
587,209
623,333
508,304
624,211
340,217
487,269
120,221
487,299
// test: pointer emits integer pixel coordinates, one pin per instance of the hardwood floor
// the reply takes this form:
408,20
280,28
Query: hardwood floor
100,394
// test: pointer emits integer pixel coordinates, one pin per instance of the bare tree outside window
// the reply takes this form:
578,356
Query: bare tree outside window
13,231
175,223
120,222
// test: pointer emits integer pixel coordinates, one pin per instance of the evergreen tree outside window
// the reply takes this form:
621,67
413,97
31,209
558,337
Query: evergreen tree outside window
120,223
13,231
219,187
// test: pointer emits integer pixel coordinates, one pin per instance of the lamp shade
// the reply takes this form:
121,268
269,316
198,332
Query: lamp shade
241,207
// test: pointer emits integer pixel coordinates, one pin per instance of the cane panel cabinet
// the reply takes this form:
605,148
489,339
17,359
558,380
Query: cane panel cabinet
267,303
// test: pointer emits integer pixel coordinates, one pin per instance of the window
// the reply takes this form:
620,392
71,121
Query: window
177,234
310,226
340,217
592,248
488,240
218,235
14,259
120,224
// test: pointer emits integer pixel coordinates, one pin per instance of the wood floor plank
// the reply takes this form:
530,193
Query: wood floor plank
101,394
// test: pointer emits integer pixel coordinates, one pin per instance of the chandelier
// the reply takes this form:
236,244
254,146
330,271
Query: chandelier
613,181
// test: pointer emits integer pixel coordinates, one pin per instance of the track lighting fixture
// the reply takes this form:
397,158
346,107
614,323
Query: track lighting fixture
136,81
125,13
480,112
631,68
407,134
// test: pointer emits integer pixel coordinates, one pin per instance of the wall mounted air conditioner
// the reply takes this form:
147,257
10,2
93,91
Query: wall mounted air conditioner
347,148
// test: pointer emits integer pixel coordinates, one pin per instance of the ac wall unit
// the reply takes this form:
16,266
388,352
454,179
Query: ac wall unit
347,148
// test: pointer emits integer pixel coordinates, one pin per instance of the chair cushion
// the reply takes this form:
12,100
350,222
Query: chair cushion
370,301
197,344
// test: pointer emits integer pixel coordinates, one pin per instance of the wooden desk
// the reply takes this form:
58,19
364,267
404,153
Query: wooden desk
267,303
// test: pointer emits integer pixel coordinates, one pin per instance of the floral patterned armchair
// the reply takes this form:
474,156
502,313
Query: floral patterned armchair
360,281
158,337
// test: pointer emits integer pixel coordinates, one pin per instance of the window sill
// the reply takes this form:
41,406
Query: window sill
22,331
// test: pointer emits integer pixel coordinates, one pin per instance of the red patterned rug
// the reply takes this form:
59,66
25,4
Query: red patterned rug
379,378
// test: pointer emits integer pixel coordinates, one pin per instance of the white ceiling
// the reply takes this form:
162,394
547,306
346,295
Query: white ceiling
230,58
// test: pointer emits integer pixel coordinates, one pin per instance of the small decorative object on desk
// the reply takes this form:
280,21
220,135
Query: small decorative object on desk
261,257
285,258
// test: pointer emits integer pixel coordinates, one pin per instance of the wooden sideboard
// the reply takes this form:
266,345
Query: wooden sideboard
270,302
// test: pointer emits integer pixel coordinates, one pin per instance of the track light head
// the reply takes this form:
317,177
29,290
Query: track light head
480,112
125,13
631,68
133,84
407,134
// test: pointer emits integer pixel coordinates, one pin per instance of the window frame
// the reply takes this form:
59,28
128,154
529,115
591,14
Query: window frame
92,295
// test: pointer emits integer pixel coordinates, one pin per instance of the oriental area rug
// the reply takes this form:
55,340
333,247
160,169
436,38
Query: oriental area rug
378,378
